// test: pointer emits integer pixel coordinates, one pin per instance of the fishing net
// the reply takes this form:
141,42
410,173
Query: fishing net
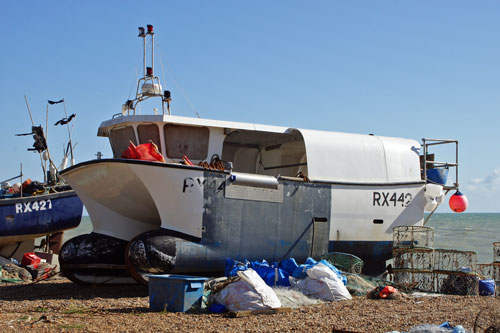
7,275
344,261
359,285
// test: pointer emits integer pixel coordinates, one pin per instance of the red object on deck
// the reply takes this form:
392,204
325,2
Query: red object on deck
458,202
387,291
26,183
31,259
186,160
145,152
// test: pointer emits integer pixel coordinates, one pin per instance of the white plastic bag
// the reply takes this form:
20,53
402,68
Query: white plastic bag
249,293
321,282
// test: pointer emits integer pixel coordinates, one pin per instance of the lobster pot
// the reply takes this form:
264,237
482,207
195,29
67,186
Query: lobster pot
490,272
454,260
412,237
496,272
496,276
457,283
496,252
413,258
344,261
485,271
415,280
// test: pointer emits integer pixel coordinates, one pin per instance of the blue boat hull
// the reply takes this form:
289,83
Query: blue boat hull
29,217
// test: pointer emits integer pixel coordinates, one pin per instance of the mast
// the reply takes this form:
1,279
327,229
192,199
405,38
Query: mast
44,168
149,85
70,144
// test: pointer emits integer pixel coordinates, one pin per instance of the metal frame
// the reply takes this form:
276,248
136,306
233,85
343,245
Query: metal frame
434,142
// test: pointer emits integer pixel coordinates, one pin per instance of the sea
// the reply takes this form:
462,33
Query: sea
458,231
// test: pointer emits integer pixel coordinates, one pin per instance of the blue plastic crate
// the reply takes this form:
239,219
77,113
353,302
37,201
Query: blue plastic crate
174,293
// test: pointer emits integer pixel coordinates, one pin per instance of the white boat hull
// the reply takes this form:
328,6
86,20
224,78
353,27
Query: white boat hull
189,203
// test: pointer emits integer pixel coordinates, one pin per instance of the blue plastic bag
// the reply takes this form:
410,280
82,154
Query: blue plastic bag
233,266
266,272
284,269
443,328
289,265
300,271
217,308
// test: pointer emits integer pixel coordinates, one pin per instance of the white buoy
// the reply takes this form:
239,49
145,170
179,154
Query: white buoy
64,163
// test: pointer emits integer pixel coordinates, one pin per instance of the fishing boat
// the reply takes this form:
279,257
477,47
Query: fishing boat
30,210
26,218
182,194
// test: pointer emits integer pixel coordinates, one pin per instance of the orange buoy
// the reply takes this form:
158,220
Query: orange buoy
26,183
458,202
387,291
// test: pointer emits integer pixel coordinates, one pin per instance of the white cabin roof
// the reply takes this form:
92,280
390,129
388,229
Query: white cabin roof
106,125
347,157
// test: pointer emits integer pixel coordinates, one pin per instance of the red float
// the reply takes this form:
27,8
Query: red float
458,202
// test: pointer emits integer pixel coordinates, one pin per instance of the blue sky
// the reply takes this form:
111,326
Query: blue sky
408,69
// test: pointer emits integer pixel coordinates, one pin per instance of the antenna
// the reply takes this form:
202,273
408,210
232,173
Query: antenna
142,34
152,34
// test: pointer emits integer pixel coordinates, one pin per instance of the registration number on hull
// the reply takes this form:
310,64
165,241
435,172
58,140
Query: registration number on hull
28,207
392,199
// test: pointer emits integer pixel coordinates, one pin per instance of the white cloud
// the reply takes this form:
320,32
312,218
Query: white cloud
489,182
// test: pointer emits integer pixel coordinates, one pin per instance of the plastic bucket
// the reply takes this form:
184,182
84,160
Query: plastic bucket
487,287
30,259
174,293
437,176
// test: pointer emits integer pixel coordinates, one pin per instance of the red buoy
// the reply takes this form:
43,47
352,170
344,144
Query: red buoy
458,202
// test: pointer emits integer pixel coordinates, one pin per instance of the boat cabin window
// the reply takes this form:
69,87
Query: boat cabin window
266,153
183,140
149,133
120,139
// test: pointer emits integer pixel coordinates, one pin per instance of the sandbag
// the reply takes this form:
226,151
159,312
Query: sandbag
301,271
249,293
321,282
